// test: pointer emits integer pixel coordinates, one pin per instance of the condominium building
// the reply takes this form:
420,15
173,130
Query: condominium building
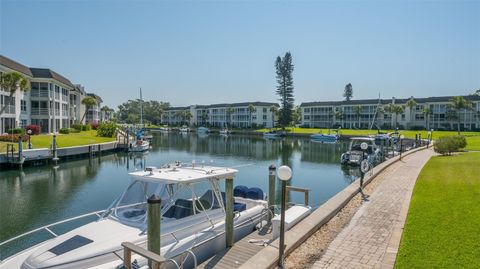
239,115
370,113
52,102
93,112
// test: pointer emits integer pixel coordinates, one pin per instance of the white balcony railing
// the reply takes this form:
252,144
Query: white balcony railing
39,111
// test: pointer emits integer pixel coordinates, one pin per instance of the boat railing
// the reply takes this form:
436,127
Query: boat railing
48,228
155,260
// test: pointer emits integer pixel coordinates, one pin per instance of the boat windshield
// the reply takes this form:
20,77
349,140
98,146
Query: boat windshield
132,205
355,145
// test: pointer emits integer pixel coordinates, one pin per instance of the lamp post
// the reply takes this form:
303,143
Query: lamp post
284,173
29,132
364,167
401,145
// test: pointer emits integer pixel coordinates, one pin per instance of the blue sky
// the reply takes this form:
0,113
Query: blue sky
199,52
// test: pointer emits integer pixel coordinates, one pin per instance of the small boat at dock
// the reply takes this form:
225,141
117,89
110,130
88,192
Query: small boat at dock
355,155
184,129
203,130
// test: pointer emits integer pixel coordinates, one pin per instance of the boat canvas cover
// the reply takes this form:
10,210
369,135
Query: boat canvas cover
179,174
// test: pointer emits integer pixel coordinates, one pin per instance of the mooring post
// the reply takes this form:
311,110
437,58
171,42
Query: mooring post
128,140
154,220
229,211
272,176
20,150
54,149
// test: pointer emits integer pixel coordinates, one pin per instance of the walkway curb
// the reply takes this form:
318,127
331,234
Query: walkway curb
268,257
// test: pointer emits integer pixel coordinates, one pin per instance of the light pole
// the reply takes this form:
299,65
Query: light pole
364,167
401,145
284,173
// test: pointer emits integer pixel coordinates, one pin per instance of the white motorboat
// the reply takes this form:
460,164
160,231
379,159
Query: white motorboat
225,131
355,154
192,222
165,129
184,129
139,146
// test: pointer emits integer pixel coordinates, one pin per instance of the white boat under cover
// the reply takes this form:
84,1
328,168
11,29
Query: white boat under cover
193,222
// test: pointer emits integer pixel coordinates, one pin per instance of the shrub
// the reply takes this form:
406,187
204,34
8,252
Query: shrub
86,127
64,131
16,131
73,130
94,125
34,128
448,144
77,127
12,137
106,129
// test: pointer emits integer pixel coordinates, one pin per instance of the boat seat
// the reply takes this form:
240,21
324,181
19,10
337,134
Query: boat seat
239,207
254,194
182,208
240,191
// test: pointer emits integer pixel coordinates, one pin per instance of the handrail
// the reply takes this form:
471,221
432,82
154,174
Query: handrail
128,248
304,190
46,227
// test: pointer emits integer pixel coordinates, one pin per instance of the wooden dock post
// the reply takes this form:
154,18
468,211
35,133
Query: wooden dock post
54,149
20,151
272,176
128,140
153,232
229,212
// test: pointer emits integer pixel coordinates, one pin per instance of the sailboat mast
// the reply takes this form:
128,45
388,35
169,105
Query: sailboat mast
141,108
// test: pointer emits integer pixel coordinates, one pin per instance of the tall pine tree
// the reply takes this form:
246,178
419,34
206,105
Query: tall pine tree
284,70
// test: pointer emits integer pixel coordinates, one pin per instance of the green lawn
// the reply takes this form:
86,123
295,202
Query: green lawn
443,223
473,138
64,140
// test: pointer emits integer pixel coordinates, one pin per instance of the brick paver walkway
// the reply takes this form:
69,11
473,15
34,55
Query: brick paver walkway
372,237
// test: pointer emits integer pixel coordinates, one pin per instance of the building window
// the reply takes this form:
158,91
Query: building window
23,105
264,110
264,117
23,123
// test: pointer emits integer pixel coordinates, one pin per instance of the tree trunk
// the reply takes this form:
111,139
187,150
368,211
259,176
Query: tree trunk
83,117
9,102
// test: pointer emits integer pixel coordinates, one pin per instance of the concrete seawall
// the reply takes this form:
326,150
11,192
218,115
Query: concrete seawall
45,154
268,257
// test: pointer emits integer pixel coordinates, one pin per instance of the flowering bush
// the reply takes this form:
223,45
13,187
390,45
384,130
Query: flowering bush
12,138
94,125
107,129
35,129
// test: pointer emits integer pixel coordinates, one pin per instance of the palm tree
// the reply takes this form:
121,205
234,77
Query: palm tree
229,111
87,101
411,103
427,112
339,115
105,110
458,103
451,115
358,111
11,82
274,111
251,108
188,115
395,110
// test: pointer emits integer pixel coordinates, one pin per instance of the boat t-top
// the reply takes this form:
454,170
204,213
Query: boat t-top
355,154
192,221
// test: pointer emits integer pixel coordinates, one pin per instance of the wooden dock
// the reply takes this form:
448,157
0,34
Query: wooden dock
241,251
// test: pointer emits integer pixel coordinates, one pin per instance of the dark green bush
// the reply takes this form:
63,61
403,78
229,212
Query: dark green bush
73,130
64,131
77,127
86,127
16,131
106,129
448,144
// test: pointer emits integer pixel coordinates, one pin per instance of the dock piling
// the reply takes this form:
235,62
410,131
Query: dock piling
54,149
229,212
153,229
271,190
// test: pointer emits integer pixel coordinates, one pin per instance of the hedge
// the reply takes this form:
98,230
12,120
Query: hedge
447,144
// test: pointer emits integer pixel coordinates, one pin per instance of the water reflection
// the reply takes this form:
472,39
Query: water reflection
37,196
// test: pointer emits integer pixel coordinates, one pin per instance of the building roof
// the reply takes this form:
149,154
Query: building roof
15,66
387,101
257,103
79,88
95,96
48,73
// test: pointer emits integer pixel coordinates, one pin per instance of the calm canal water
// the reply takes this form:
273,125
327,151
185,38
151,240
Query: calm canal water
38,196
